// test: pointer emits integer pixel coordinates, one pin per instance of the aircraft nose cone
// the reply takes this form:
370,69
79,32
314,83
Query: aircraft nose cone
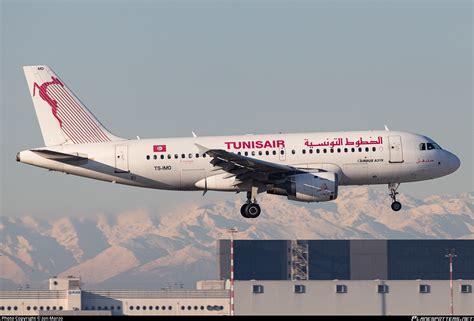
454,162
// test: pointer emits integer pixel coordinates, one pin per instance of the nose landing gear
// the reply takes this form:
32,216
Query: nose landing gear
250,209
396,206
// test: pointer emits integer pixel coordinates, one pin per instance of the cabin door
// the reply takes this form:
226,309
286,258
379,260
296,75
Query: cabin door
396,150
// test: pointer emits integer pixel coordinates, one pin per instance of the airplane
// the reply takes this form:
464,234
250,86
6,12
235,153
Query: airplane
305,167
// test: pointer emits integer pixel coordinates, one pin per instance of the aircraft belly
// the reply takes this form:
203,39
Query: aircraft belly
189,177
354,174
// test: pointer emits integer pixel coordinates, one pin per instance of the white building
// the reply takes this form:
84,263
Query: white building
353,297
65,296
322,297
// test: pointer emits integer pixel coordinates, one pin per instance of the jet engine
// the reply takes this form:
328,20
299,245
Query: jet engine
318,187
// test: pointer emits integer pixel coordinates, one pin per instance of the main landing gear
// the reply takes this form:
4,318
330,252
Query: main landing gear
396,206
250,209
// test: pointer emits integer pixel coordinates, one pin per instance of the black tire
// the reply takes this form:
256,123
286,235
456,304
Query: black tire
252,210
396,206
243,210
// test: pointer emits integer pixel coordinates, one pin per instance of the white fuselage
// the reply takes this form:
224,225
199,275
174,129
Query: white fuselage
358,158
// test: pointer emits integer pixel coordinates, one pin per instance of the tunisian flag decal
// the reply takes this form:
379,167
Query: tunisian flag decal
159,148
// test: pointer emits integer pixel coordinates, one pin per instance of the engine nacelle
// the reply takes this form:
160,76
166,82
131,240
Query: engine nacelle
320,187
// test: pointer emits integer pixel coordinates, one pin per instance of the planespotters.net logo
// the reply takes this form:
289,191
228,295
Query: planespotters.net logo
416,318
32,318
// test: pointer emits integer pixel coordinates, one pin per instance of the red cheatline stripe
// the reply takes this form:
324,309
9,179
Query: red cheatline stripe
99,130
80,122
66,109
95,129
67,119
72,136
64,120
78,112
74,119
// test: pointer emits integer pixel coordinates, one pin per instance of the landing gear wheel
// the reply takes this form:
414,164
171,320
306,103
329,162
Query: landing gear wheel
396,206
252,210
243,210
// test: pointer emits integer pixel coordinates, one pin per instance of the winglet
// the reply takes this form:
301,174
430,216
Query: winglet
194,134
386,128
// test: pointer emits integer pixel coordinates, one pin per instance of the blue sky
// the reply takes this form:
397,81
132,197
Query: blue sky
164,69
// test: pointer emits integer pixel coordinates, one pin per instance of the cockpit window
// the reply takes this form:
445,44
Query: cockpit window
431,146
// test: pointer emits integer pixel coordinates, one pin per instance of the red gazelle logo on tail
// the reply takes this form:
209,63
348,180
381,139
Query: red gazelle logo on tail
74,120
44,95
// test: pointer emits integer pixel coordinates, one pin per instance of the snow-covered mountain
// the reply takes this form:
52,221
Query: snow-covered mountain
152,250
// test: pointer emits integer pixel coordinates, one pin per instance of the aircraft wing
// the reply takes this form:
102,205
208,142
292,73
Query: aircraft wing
247,168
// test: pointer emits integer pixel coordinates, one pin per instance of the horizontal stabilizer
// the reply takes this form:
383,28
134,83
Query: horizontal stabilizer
60,157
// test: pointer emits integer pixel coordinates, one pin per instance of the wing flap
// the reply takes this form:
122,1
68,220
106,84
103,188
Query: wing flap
245,168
